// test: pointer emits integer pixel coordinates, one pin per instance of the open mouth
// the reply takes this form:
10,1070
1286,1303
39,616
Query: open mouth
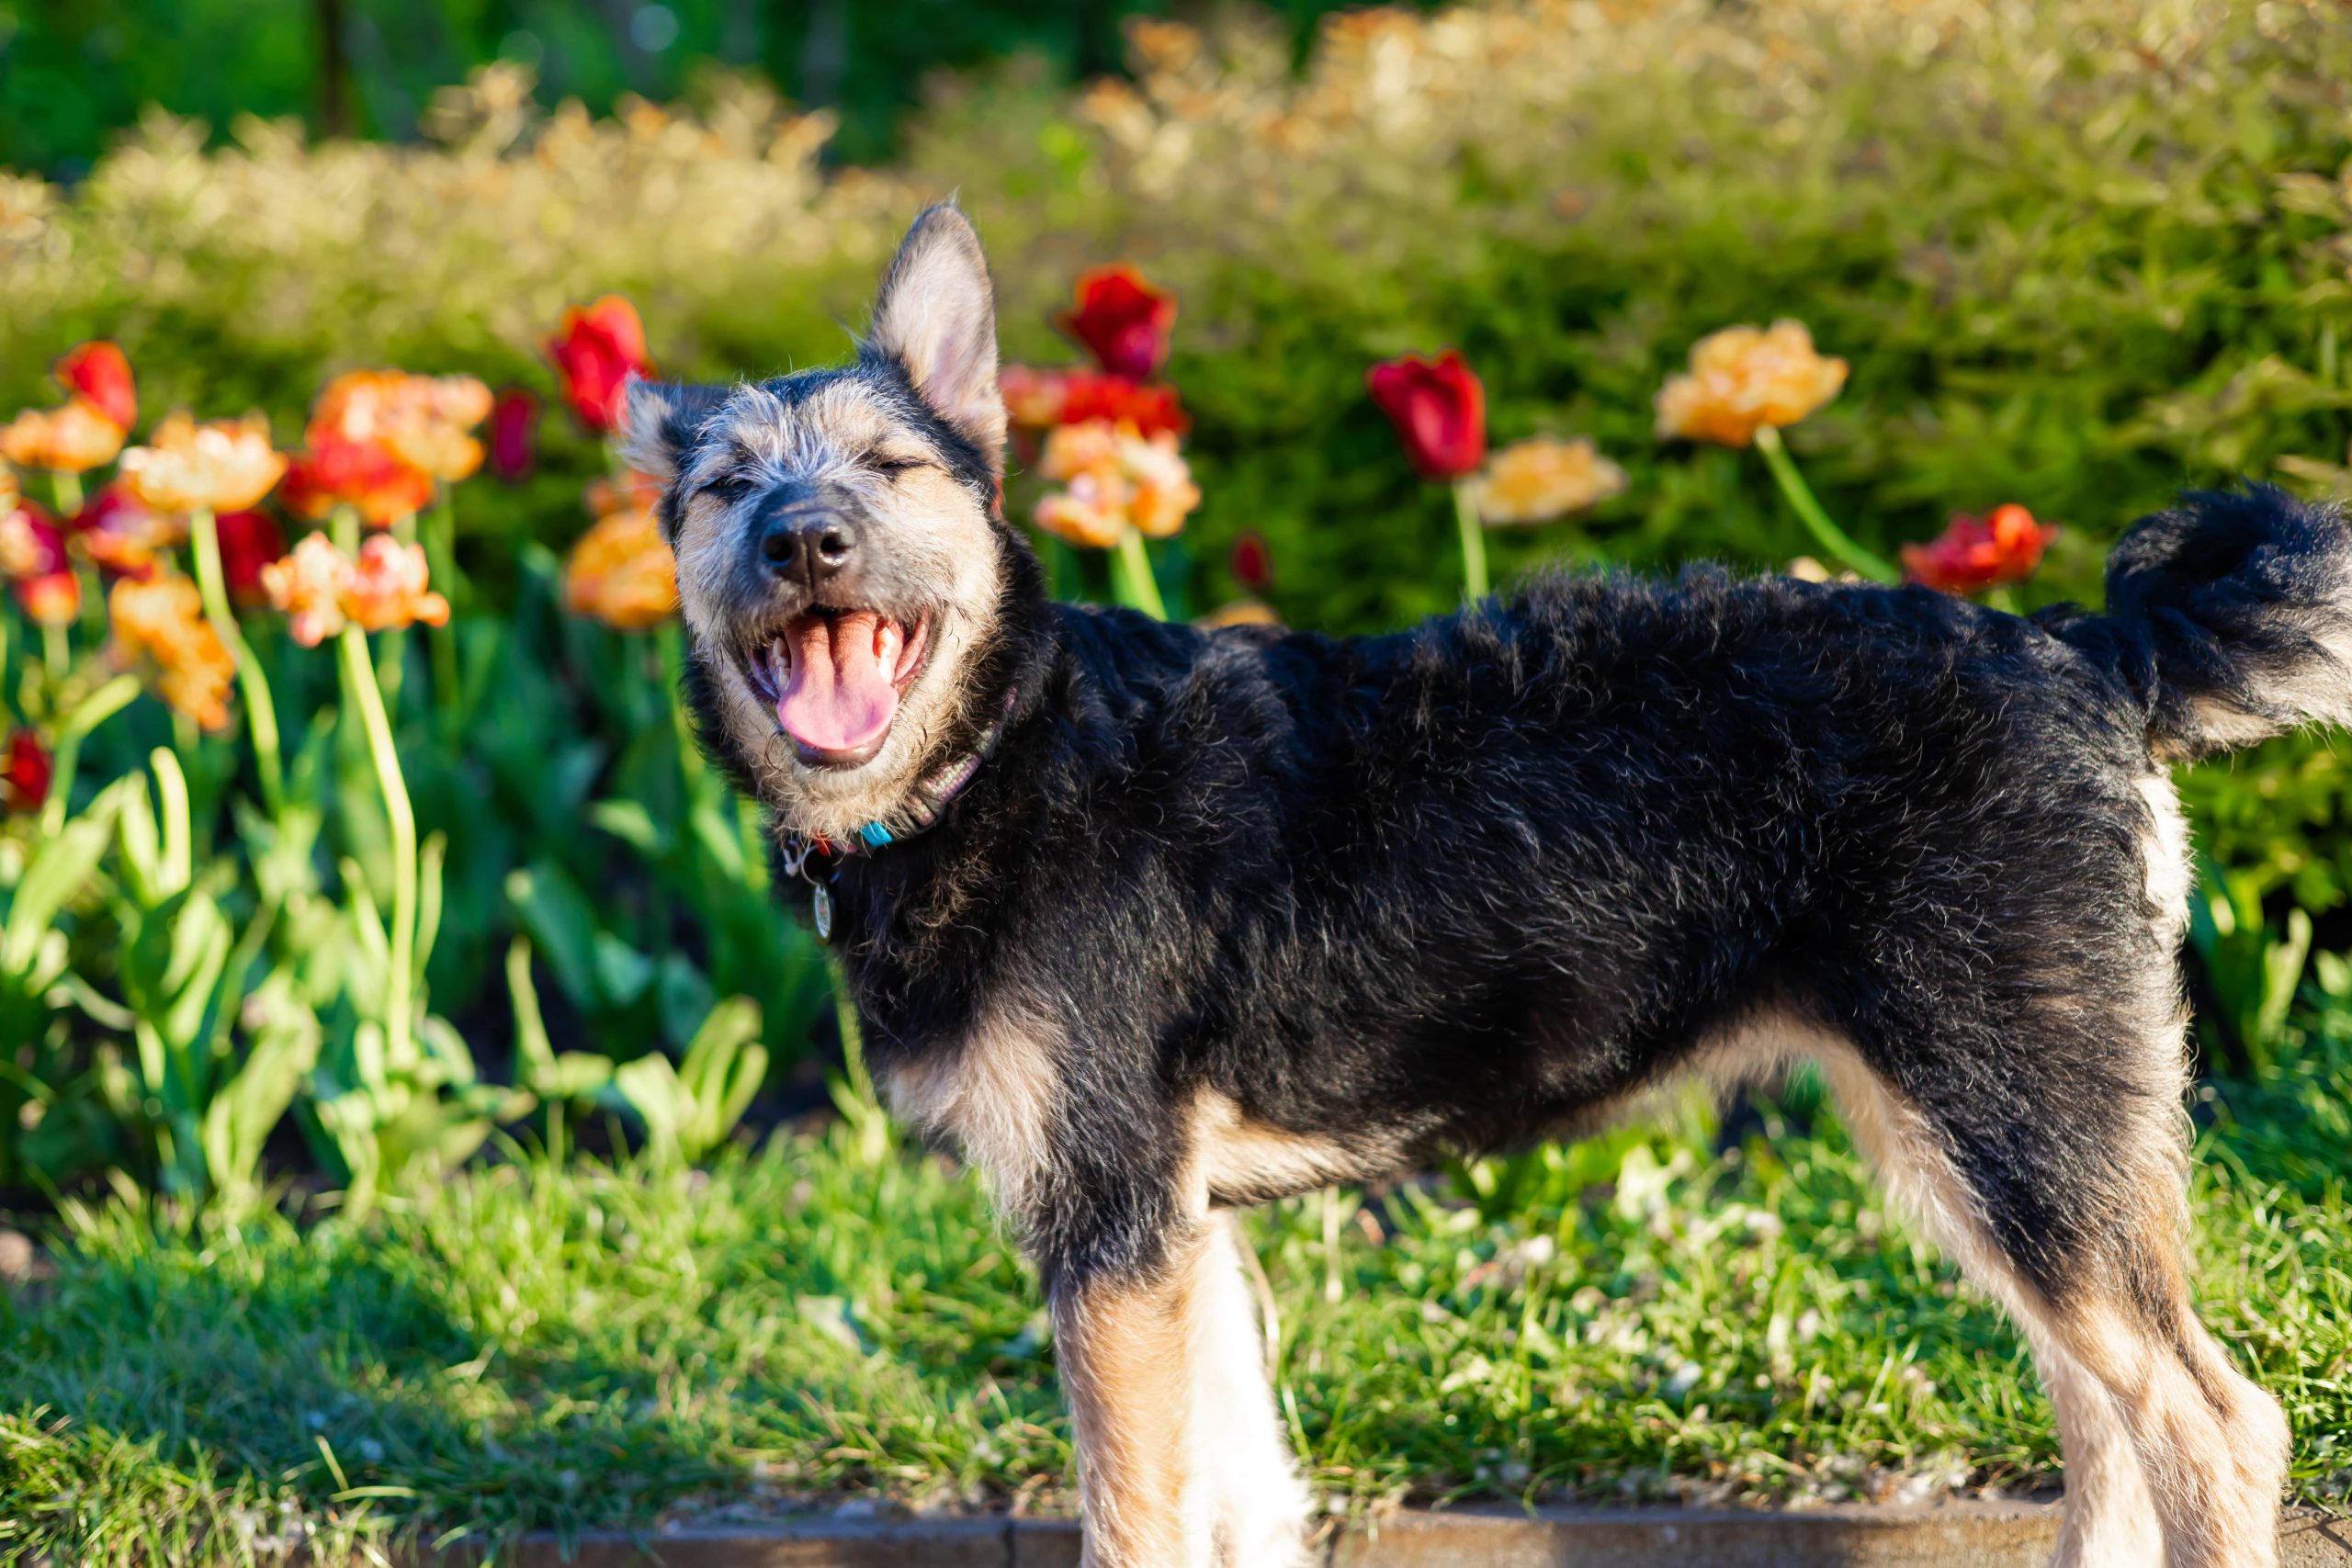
835,678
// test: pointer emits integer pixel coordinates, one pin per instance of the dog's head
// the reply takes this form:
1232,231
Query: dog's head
843,568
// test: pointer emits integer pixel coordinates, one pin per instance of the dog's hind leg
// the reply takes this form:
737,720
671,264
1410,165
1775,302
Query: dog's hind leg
1240,1447
1182,1461
2045,1158
2110,1517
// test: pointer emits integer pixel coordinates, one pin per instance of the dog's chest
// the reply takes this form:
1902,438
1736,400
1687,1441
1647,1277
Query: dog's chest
993,1092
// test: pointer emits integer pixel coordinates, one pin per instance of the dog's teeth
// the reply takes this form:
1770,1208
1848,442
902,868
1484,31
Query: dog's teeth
779,663
888,640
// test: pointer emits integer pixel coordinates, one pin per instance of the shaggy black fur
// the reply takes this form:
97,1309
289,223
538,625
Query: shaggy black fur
1482,880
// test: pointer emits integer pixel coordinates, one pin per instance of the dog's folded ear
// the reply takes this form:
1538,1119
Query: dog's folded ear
660,421
935,319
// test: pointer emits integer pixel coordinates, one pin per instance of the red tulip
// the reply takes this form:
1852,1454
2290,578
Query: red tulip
1439,412
1039,400
367,476
594,352
249,541
1123,320
1974,554
27,770
1252,566
98,373
514,433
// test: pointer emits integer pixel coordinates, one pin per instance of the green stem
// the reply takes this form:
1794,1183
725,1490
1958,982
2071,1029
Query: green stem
261,712
1135,567
55,654
391,648
1473,540
441,557
67,490
359,676
94,709
1830,536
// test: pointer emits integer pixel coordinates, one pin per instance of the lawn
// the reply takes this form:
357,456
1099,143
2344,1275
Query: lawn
549,1344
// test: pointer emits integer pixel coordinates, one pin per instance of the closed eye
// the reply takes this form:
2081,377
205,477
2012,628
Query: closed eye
891,465
728,488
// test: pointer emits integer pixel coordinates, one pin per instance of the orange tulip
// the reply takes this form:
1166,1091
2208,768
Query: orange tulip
621,571
423,421
52,599
309,586
159,622
1536,481
1743,378
1116,480
389,588
72,438
220,466
321,590
1241,613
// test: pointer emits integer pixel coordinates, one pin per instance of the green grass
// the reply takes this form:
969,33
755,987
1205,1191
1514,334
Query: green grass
542,1346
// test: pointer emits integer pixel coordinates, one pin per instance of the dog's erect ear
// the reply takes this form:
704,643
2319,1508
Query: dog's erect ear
660,421
935,317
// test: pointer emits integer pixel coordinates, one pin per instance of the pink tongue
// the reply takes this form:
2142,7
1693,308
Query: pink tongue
839,695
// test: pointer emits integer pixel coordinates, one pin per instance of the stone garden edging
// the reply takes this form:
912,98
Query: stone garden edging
1948,1535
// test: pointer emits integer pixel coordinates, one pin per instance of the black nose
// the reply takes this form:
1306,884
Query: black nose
811,548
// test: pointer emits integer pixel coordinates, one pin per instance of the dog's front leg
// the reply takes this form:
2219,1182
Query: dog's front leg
1122,1344
1182,1462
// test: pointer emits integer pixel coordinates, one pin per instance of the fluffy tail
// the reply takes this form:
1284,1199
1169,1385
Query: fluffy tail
2232,615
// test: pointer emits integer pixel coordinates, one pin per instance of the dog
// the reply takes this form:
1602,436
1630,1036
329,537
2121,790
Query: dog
1156,922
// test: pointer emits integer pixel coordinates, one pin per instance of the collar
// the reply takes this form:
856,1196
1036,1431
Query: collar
919,813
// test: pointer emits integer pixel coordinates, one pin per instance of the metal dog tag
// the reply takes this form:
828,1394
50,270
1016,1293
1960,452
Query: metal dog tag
822,907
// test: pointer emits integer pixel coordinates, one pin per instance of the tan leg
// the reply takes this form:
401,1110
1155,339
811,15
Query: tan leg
1181,1463
2131,1368
1241,1449
2110,1517
2212,1447
1123,1349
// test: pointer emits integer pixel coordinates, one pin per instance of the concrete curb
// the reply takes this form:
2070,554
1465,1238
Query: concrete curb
1948,1535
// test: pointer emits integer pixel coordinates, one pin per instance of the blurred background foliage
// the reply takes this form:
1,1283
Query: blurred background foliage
2092,250
74,72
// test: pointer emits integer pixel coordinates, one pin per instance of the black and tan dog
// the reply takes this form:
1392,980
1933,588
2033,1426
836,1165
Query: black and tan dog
1156,922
